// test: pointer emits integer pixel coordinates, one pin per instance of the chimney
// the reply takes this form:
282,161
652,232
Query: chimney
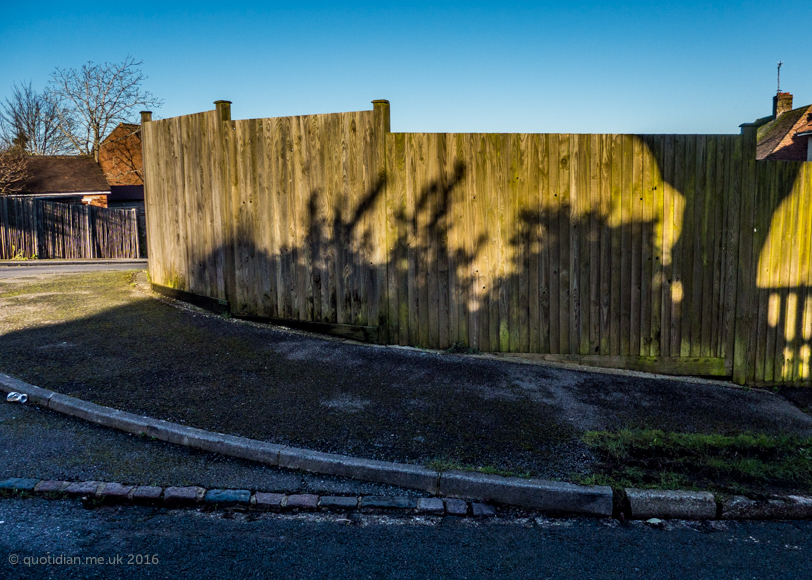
782,102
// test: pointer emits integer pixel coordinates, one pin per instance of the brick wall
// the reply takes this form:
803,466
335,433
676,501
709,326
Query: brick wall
120,156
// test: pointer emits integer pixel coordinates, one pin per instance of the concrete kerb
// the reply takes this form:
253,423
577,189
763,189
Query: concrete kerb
548,496
36,395
397,474
671,504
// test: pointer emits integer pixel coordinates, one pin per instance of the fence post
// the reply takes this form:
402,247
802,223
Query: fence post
146,117
746,280
226,192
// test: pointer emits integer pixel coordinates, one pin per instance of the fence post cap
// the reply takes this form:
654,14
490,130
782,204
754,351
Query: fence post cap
223,109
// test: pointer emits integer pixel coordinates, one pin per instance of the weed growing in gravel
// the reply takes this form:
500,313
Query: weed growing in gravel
446,465
461,348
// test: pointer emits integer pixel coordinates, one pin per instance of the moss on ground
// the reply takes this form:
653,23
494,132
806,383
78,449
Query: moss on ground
748,463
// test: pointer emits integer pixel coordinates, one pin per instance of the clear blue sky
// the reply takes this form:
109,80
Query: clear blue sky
579,67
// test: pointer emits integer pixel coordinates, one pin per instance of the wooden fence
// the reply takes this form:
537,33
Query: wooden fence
34,228
634,251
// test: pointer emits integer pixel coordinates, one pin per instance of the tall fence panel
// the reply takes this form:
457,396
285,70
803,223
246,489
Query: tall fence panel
34,228
672,253
282,217
186,181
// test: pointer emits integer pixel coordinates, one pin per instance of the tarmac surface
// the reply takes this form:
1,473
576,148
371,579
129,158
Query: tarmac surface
38,443
99,338
140,542
16,268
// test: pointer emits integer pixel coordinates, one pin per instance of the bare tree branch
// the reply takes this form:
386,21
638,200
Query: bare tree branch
30,122
120,155
13,171
92,101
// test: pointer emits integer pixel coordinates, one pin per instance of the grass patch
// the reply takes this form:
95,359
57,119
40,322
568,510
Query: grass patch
745,463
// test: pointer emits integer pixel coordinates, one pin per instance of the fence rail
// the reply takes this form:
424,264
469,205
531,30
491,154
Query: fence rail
35,228
636,251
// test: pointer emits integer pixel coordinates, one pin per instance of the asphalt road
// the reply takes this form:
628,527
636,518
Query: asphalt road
139,542
42,267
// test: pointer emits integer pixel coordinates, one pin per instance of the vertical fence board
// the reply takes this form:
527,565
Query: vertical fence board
699,246
627,233
606,244
555,209
647,242
617,255
637,244
585,244
542,240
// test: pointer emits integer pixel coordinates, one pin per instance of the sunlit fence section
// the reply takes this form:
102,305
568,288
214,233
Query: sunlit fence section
31,228
633,251
782,307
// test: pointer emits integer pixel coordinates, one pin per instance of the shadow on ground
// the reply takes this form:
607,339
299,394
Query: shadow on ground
97,337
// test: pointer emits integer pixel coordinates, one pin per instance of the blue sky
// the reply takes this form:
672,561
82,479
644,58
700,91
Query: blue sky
580,67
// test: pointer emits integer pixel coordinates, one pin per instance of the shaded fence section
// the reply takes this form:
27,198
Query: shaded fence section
281,217
34,228
633,251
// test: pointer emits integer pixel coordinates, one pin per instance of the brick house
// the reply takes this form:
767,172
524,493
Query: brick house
120,156
120,160
786,135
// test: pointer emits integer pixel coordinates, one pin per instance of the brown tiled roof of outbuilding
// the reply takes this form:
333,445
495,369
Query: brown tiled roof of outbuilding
64,174
777,138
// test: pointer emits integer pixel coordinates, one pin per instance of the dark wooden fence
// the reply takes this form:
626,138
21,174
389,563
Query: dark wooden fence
34,228
635,251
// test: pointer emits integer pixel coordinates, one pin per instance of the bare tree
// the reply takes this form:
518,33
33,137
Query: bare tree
91,101
13,171
29,123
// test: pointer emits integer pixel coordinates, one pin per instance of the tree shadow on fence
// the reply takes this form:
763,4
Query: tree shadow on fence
570,284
